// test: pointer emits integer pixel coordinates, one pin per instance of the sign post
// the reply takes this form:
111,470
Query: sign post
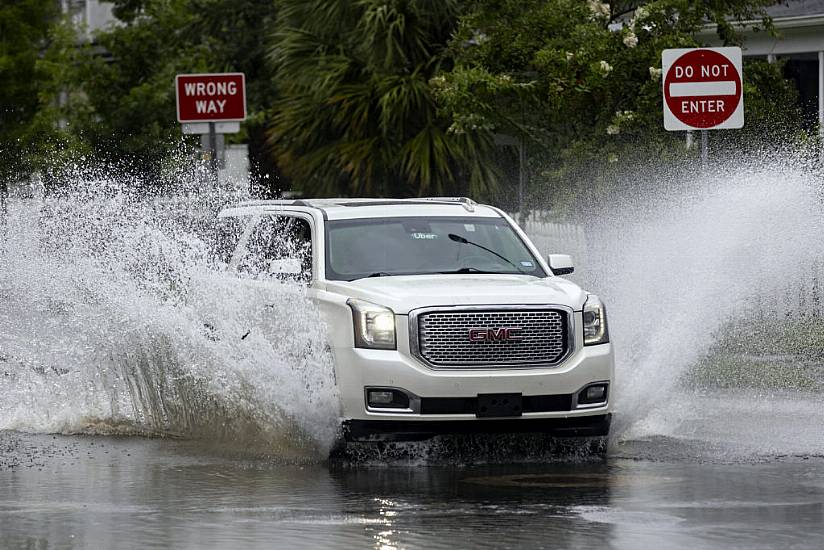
705,138
703,91
212,149
209,104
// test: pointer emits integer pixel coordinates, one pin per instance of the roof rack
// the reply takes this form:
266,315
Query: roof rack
282,202
276,202
466,202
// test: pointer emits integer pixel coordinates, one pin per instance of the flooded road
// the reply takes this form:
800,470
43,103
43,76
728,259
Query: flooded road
113,321
105,492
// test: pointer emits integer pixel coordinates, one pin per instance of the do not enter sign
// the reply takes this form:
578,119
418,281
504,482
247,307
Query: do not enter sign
702,89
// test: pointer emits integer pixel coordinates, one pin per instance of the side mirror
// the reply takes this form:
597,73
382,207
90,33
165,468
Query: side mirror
286,266
561,264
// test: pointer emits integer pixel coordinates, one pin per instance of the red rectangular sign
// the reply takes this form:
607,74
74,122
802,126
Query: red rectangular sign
211,97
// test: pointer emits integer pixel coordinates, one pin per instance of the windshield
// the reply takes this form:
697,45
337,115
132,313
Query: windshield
420,246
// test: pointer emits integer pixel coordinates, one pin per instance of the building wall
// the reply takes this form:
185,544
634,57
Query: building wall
98,15
90,15
799,43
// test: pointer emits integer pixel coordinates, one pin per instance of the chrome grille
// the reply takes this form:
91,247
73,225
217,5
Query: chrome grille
443,338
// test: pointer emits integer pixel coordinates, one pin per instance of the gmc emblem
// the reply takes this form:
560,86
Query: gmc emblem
502,334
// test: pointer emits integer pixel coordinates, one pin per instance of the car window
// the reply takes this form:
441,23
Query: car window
226,238
274,239
417,246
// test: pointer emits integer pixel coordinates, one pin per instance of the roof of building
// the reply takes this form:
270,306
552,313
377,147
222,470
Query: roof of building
800,26
796,8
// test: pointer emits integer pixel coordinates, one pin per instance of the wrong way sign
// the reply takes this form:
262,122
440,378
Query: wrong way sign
213,97
703,89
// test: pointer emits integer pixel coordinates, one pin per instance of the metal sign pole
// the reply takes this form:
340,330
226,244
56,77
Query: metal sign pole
521,178
212,151
4,193
821,102
704,147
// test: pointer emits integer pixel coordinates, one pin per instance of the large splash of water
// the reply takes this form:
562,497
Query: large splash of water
115,320
683,260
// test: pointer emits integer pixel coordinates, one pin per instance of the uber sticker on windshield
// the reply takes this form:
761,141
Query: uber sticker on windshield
470,227
424,236
527,264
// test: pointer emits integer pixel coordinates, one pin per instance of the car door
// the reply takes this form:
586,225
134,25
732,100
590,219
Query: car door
264,262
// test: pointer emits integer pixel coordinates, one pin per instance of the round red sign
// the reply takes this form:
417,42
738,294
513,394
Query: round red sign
702,88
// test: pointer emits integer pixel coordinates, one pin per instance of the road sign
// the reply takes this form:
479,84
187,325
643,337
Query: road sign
702,89
216,97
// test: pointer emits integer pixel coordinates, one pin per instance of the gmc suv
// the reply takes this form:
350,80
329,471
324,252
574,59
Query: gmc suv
442,316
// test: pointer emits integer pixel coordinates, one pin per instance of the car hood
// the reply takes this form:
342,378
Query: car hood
405,293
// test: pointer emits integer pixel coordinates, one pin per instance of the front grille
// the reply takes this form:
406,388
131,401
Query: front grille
479,338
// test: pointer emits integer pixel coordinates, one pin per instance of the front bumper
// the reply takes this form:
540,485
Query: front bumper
357,369
416,430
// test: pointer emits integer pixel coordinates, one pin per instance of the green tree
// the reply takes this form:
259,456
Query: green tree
24,30
580,81
356,114
120,88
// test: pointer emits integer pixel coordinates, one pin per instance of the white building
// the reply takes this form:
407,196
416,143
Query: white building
800,44
91,15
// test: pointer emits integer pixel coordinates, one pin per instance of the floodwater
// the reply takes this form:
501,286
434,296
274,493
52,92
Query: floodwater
107,492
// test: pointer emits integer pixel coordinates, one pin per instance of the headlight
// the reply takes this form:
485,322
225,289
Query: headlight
595,322
374,325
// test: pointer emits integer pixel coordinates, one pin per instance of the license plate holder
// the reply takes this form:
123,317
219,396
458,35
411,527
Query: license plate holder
499,405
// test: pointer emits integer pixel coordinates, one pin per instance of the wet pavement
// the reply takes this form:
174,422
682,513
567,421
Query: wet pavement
132,492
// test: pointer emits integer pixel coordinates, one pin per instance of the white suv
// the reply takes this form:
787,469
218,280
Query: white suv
442,315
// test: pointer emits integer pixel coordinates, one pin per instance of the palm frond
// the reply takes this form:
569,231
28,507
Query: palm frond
357,114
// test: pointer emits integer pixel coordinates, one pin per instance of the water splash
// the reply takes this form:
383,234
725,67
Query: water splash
114,320
683,259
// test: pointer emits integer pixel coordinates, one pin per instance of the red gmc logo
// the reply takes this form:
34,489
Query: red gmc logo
495,334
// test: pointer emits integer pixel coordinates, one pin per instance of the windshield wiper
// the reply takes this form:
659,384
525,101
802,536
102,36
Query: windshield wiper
472,270
376,274
462,240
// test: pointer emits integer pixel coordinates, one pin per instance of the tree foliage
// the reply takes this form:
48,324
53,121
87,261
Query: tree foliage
581,80
120,88
24,28
356,113
580,62
379,97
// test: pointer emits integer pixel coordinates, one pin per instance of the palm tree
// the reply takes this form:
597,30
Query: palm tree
356,114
